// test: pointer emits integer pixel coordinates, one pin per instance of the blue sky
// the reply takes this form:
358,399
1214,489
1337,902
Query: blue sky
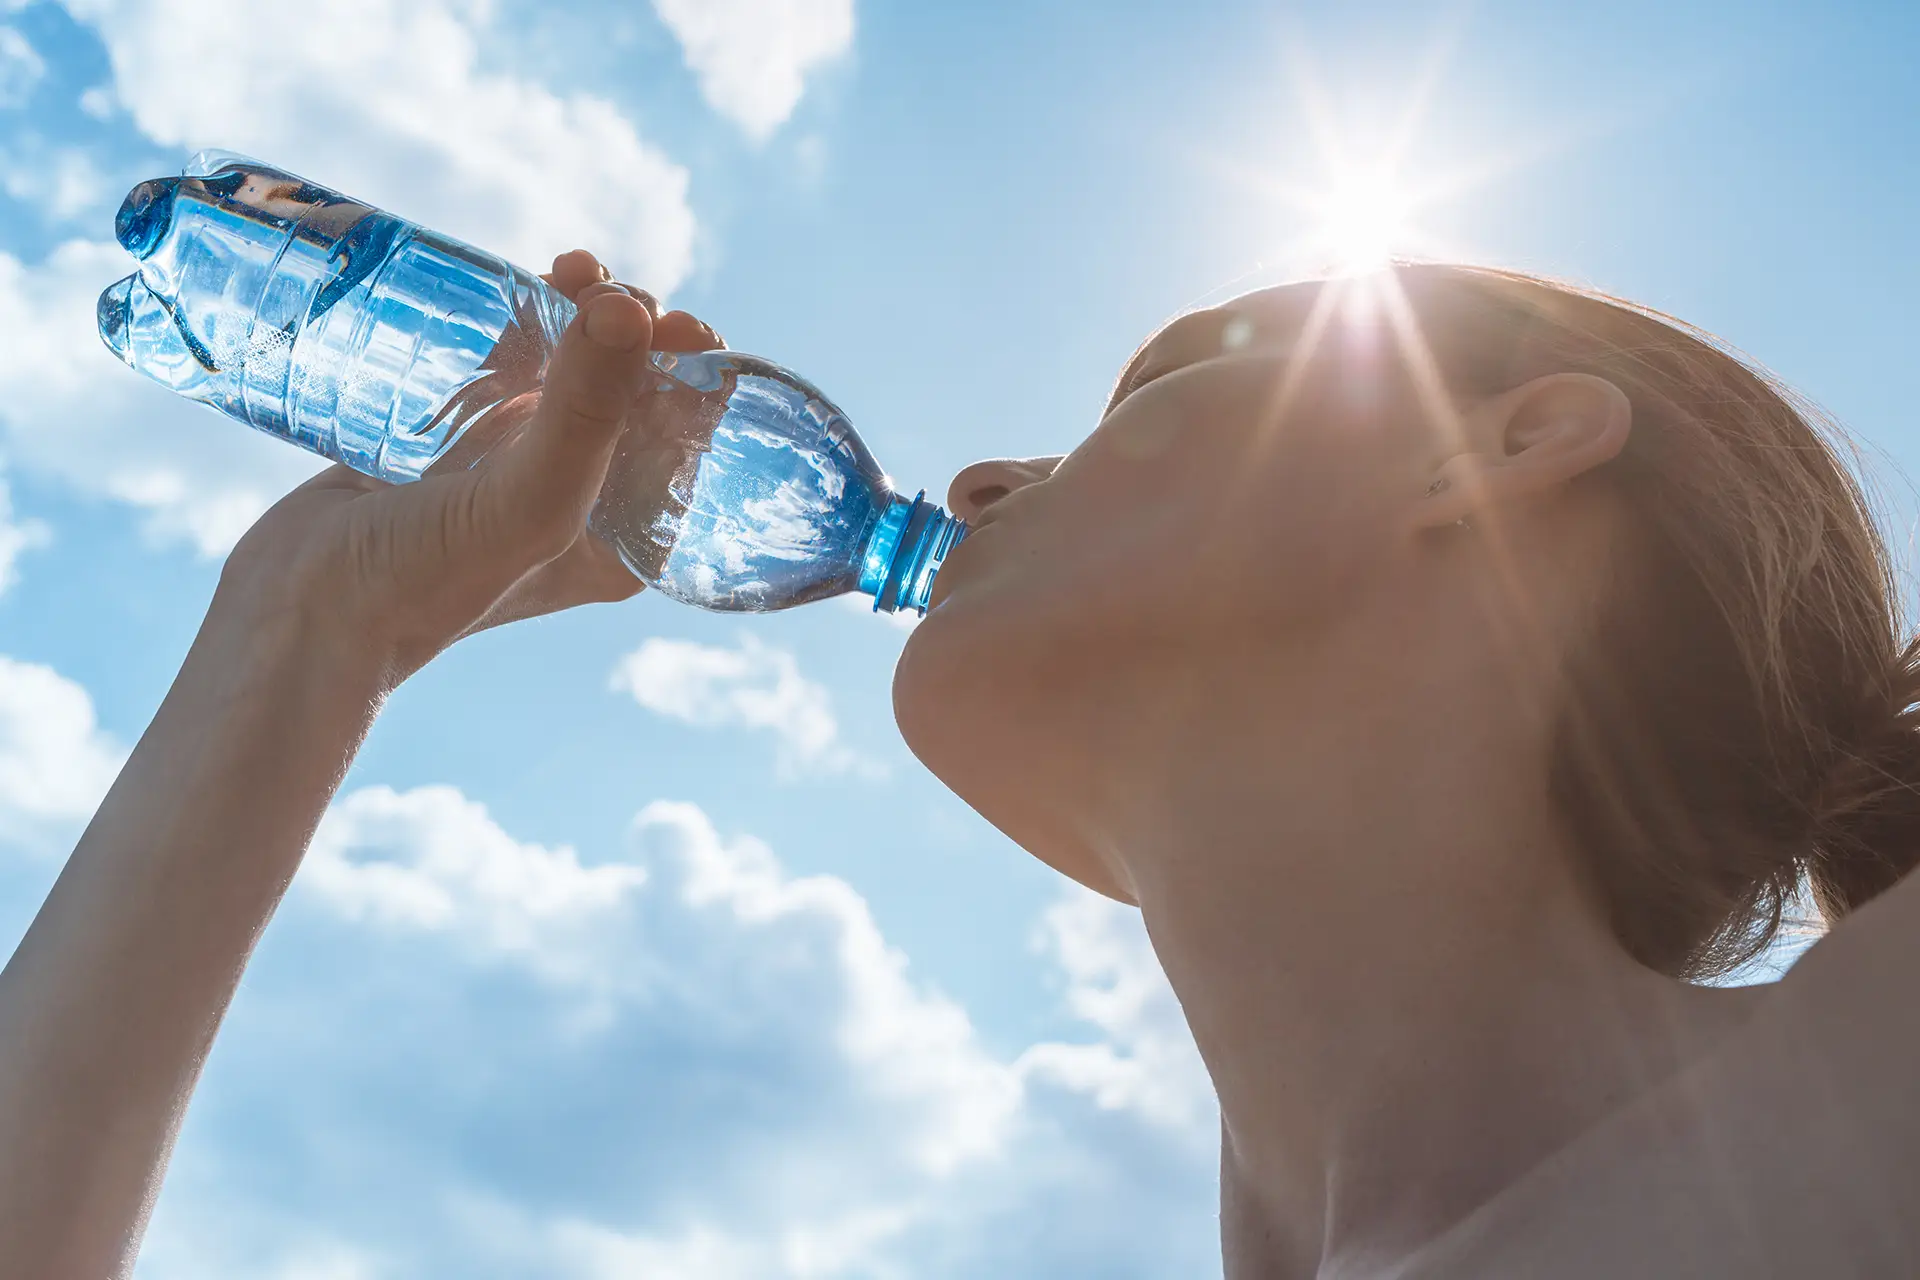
637,945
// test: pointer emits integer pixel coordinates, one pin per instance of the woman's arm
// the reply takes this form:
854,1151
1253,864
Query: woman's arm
109,1006
111,1002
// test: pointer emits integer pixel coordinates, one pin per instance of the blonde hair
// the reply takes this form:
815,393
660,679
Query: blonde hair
1742,722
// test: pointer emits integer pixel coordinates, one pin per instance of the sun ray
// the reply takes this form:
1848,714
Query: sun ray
1529,636
1323,126
1319,316
1425,83
1356,209
1362,212
1429,384
1252,477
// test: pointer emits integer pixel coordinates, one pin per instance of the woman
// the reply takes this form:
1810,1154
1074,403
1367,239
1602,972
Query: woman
1454,668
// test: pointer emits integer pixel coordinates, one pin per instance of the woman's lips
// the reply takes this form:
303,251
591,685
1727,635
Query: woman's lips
943,581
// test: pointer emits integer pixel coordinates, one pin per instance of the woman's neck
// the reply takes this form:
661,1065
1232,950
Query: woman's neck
1378,937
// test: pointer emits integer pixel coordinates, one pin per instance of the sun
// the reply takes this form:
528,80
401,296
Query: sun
1356,190
1359,215
1361,220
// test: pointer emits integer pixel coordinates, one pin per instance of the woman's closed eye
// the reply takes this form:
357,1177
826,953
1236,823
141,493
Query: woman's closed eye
1150,373
1159,369
1192,339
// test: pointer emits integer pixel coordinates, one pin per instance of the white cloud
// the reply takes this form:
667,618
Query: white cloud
700,1253
754,686
391,101
71,185
766,1090
893,1086
433,860
98,101
337,1262
752,56
843,1247
61,184
55,763
387,100
21,67
221,1245
912,1045
69,409
1146,1061
16,536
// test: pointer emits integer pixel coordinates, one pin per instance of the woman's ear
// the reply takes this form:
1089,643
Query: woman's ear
1527,442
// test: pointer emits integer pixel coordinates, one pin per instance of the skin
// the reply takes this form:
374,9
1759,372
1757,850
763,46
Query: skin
1290,705
343,590
1297,706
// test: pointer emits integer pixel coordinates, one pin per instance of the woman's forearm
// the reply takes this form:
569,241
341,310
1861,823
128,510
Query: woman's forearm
112,1000
109,1006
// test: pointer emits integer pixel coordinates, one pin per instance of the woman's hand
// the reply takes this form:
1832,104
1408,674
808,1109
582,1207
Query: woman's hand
110,1003
396,573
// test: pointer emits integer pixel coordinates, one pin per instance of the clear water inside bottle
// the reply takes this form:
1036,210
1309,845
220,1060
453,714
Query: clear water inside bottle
319,319
378,343
739,485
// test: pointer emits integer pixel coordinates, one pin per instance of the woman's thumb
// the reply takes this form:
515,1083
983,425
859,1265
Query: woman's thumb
547,481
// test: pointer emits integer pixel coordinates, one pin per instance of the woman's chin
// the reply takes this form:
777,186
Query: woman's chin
934,665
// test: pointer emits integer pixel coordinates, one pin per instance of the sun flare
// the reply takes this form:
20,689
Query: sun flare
1363,220
1355,183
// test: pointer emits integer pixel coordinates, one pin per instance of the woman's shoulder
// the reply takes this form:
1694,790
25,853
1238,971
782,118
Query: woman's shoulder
1791,1149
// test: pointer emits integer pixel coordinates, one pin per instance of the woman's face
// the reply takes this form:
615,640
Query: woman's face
1242,485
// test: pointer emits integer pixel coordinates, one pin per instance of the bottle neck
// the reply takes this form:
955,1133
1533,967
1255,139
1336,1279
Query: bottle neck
906,550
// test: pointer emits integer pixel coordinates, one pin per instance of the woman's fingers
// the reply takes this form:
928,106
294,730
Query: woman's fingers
581,276
678,331
588,572
600,288
533,499
574,271
578,271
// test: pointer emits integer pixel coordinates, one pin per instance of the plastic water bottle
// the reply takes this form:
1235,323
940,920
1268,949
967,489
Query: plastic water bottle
376,342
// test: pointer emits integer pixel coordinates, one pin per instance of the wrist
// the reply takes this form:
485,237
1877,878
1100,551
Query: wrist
287,635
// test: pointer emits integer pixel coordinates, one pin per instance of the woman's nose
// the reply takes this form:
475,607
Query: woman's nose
984,483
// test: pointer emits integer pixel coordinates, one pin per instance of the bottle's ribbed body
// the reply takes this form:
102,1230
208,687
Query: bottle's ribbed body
361,336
